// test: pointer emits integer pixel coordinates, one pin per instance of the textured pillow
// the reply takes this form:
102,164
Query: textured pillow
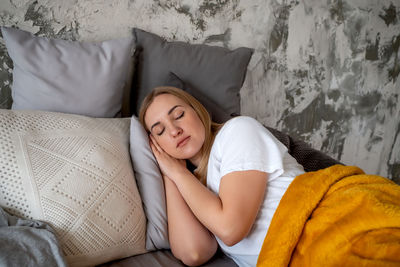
151,187
75,173
66,76
217,72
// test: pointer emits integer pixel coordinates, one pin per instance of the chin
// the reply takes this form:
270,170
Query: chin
187,155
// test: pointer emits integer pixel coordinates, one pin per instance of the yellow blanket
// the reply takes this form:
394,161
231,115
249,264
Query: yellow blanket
337,216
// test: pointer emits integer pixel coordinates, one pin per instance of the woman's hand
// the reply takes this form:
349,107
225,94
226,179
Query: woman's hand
169,166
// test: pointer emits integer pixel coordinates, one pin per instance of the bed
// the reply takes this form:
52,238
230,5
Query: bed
75,162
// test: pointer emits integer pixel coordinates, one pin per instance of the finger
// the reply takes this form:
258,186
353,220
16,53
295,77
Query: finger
153,140
156,152
153,148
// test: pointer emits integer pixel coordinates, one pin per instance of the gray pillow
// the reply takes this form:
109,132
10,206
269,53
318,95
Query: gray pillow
217,72
66,76
151,187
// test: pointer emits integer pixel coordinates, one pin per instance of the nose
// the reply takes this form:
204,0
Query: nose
175,130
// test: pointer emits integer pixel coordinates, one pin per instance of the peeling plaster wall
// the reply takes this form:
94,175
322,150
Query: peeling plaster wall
326,72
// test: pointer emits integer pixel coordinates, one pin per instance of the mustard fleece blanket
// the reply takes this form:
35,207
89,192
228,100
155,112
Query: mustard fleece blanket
338,216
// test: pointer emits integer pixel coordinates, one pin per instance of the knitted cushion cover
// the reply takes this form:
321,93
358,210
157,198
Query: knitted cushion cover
75,173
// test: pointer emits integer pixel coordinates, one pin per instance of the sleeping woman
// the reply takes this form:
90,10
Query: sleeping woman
241,171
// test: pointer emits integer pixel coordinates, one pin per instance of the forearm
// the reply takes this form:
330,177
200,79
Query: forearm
230,214
190,241
205,205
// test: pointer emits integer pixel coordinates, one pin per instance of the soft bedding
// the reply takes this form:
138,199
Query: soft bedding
338,216
28,243
164,258
42,147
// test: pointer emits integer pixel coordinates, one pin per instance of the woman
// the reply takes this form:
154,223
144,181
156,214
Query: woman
241,173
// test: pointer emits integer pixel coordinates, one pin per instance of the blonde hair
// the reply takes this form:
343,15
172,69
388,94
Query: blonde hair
211,128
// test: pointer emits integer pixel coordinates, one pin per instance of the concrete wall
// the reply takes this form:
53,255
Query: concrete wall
325,71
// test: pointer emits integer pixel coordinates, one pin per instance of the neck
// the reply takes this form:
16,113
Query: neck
196,160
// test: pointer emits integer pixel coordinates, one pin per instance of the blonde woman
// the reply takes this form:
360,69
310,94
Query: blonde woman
241,173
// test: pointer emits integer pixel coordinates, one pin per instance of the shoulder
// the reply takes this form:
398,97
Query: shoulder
245,130
241,130
243,143
242,120
241,123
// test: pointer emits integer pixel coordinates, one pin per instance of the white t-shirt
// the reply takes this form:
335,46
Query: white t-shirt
244,144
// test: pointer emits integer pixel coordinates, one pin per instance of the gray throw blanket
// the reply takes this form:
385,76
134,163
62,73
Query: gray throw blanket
27,243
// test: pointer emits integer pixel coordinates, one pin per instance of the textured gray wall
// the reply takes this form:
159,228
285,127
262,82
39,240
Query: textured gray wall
326,71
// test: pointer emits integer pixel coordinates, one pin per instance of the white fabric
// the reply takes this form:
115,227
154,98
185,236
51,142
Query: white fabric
244,144
75,173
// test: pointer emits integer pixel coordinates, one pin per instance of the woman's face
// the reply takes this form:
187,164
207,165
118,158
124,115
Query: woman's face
176,127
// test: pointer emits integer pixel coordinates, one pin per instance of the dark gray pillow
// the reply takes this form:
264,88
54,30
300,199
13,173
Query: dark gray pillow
217,72
311,159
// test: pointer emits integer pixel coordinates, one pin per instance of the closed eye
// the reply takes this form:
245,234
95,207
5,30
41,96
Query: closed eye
160,133
180,116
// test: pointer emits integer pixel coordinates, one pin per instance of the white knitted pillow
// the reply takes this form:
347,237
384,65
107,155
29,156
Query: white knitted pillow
74,172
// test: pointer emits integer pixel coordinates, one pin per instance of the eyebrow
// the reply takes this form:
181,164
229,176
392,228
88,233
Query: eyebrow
169,112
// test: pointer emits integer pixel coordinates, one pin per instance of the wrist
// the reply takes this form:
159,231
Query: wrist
181,174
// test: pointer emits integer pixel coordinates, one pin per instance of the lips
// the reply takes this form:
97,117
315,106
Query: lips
183,141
